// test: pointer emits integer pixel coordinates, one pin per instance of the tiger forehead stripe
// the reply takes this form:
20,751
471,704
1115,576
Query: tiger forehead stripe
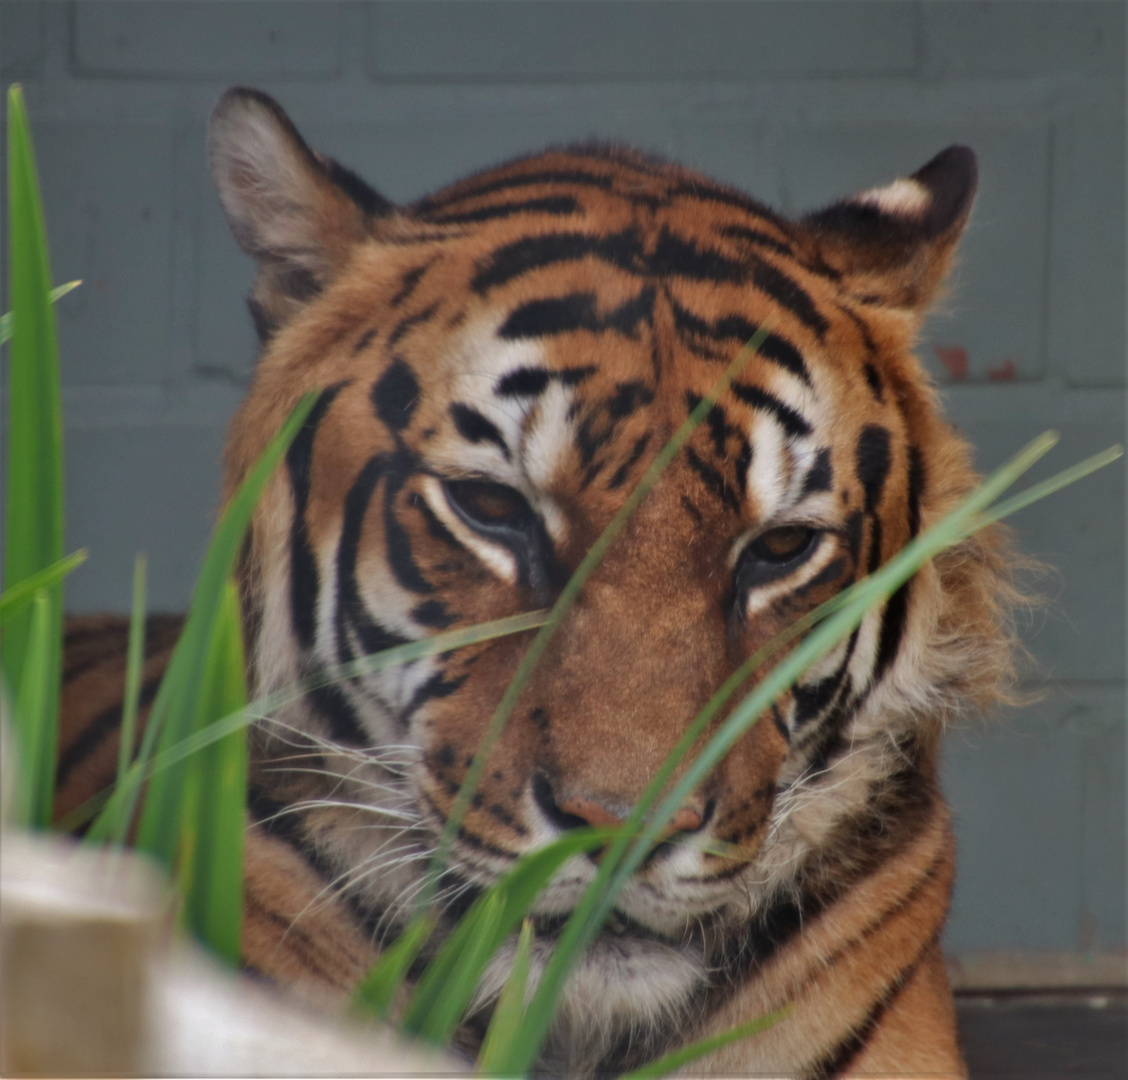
673,256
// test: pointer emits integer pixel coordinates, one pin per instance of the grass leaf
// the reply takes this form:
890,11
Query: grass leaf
436,1021
211,855
55,294
35,773
175,706
506,1020
13,599
449,982
33,519
377,992
134,663
667,1064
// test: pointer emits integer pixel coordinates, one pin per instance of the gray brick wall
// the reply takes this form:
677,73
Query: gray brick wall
798,102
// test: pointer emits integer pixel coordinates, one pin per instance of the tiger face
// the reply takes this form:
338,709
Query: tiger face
500,363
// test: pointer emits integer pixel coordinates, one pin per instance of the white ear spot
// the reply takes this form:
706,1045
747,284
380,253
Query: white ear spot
902,198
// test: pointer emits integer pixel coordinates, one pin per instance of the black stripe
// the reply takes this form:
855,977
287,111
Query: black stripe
305,585
788,292
401,559
435,687
916,489
349,604
875,545
576,311
755,236
523,382
559,205
895,616
678,256
788,418
476,428
628,397
820,476
873,458
873,380
714,481
470,190
433,613
531,382
396,394
364,341
406,324
624,470
330,703
839,1060
735,327
622,250
703,191
98,730
812,699
719,427
409,281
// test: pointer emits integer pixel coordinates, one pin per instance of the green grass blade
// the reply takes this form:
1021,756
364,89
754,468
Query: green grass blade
506,1020
23,593
108,804
377,992
450,979
663,1066
443,1014
211,857
1047,487
175,706
134,663
55,294
30,725
33,517
568,597
640,834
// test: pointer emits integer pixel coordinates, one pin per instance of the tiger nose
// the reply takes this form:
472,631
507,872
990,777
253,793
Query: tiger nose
577,810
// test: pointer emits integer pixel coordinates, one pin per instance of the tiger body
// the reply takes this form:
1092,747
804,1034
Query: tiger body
500,364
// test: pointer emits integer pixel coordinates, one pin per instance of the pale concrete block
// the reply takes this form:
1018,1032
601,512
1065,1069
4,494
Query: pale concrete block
1087,287
994,308
1025,844
107,203
21,39
207,38
1017,37
507,40
152,488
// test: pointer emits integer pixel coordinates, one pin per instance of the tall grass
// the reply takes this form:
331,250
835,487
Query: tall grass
180,793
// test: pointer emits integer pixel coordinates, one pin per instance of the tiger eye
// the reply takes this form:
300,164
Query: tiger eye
486,503
784,543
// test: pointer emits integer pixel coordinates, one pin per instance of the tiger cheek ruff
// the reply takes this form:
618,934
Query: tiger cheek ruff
501,362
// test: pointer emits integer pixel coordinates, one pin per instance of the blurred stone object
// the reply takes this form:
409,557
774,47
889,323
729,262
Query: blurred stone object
96,980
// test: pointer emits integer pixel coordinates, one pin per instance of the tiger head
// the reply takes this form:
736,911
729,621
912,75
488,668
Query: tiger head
500,363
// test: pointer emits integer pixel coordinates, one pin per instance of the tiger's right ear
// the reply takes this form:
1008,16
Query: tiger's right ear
296,212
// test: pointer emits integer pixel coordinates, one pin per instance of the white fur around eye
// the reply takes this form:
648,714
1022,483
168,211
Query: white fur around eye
495,557
764,596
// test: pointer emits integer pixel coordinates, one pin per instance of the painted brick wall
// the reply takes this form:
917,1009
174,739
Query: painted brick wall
797,102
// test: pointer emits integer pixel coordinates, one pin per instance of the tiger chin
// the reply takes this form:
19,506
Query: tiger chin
499,363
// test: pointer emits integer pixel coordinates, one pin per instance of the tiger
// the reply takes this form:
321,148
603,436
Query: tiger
498,364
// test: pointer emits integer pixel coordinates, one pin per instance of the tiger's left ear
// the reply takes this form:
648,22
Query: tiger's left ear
894,245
